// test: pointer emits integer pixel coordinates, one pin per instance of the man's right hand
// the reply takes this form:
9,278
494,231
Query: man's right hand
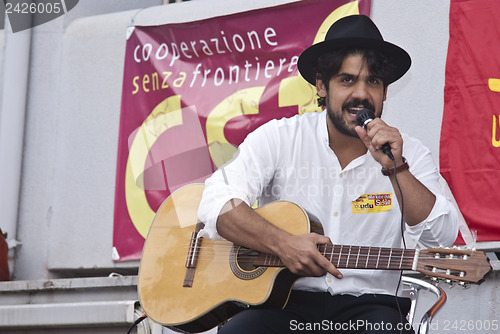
299,253
301,256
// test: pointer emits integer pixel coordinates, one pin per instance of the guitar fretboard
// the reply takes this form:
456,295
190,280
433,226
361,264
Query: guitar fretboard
355,257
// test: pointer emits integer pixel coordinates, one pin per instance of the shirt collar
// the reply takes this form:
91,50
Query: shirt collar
322,132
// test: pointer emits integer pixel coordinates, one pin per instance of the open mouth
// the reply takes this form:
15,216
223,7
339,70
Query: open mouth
353,111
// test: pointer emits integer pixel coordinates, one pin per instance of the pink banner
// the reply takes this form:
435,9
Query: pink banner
193,91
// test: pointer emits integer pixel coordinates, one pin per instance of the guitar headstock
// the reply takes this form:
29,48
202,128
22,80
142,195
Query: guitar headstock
453,264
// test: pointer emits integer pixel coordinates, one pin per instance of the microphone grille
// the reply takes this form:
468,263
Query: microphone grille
363,116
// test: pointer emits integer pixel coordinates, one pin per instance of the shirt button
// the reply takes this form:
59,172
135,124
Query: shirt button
341,175
336,213
329,280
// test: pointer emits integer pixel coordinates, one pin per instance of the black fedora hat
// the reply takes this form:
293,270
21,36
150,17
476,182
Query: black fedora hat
355,31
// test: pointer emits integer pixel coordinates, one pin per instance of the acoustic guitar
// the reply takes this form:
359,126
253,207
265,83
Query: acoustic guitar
192,284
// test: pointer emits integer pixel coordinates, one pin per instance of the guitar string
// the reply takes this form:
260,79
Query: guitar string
278,263
343,259
353,254
370,260
375,254
370,264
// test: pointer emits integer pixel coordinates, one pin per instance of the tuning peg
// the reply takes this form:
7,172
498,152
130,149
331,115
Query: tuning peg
464,285
434,280
450,282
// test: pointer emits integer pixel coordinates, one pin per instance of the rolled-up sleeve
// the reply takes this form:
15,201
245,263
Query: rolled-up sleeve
244,177
440,228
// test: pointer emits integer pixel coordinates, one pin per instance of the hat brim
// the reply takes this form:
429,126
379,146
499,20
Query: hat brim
397,56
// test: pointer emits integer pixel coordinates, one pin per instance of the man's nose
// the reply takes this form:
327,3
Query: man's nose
360,91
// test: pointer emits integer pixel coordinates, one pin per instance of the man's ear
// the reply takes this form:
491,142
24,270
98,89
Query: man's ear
321,88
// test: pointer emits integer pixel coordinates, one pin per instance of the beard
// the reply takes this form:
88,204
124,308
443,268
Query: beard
338,120
340,124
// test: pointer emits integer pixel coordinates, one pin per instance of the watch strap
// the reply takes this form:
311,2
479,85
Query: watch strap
400,168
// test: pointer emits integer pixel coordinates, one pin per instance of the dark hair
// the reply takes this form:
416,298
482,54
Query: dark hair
329,64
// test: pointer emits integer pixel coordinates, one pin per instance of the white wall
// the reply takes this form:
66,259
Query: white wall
415,103
66,204
67,194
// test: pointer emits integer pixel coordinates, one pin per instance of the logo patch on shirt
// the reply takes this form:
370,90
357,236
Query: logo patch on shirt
372,203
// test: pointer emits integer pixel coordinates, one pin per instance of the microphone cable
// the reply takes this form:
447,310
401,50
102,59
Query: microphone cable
404,244
363,117
137,322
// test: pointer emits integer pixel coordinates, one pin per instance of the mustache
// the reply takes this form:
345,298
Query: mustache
356,103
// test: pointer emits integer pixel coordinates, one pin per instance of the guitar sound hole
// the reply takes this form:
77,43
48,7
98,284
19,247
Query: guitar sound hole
241,263
245,258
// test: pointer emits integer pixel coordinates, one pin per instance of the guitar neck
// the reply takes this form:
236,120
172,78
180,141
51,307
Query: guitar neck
355,257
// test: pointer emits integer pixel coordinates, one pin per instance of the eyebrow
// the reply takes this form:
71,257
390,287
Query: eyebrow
343,74
347,75
356,76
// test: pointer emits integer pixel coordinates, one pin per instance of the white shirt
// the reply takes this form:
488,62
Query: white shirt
290,159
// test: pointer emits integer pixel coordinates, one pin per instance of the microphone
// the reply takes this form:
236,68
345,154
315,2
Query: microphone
365,116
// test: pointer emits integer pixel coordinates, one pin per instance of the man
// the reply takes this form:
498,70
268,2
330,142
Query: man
332,168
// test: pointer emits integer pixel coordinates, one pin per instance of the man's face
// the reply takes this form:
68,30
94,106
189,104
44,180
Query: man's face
350,90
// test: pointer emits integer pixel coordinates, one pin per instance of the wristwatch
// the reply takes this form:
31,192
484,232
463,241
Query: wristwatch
400,168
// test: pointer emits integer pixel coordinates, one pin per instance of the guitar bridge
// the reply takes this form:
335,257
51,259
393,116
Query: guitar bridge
192,257
193,251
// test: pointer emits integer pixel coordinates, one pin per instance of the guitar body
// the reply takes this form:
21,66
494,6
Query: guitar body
221,286
193,284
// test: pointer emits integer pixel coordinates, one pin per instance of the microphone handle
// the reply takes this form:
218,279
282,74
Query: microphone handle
387,150
365,116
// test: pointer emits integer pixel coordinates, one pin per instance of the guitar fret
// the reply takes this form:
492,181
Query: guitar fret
271,260
331,254
367,257
366,253
337,254
383,257
348,256
378,256
340,255
395,264
357,258
351,257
